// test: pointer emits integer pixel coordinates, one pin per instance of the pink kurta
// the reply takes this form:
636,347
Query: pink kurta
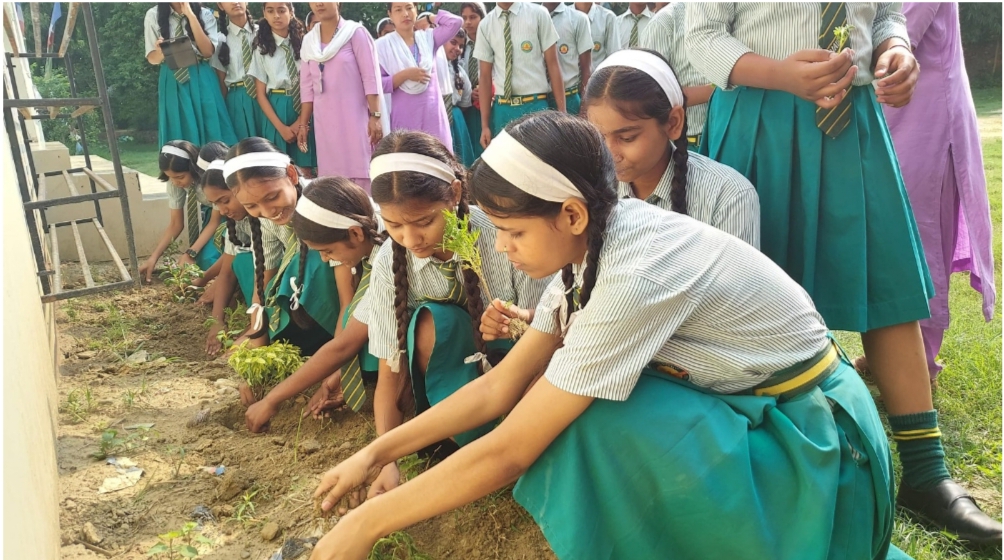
341,114
938,144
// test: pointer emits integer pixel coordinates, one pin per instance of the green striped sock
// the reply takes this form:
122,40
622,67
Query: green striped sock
918,440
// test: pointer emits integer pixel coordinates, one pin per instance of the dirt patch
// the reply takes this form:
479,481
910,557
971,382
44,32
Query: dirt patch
173,415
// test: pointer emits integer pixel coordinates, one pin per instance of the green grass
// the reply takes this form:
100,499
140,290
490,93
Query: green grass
139,156
969,391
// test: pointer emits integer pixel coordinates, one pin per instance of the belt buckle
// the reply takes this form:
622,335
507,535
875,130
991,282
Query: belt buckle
515,101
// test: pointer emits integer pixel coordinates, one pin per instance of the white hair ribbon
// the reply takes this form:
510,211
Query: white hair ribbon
527,172
652,65
322,216
256,311
202,164
171,150
255,159
407,161
294,300
216,164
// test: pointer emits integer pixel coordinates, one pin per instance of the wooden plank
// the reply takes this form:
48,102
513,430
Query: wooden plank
71,21
82,110
84,267
99,180
36,26
70,184
42,187
111,249
57,279
8,27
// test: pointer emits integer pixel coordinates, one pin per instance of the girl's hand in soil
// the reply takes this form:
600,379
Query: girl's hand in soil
495,320
146,270
389,479
347,482
351,539
247,397
213,344
328,396
258,415
818,75
897,71
185,259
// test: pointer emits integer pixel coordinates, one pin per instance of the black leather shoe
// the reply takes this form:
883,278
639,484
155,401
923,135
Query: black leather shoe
948,506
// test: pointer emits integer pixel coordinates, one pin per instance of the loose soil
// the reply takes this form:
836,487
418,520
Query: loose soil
173,390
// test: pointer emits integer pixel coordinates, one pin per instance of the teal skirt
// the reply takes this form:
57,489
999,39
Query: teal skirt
505,114
319,298
193,111
678,472
472,116
243,267
283,106
244,112
834,213
367,362
210,253
573,103
447,371
461,139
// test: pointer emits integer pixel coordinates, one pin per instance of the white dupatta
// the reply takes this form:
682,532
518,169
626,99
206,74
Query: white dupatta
395,56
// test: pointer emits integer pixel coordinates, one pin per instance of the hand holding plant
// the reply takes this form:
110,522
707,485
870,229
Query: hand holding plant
265,367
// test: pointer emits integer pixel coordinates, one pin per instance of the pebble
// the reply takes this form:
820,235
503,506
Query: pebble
344,446
138,357
87,355
246,554
224,382
310,446
270,530
279,441
90,534
70,505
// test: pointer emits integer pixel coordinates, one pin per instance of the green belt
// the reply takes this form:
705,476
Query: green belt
517,101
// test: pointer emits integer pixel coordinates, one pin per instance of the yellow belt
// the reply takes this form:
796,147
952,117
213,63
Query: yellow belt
694,140
517,101
571,91
282,91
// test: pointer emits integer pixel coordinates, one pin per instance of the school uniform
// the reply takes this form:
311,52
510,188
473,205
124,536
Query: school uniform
472,114
834,210
189,104
438,287
665,35
457,101
364,364
241,100
574,38
720,403
243,263
606,37
630,27
519,72
716,195
197,208
280,72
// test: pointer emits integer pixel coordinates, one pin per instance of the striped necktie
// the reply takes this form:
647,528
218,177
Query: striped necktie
294,77
181,74
249,84
833,121
473,71
192,213
352,379
507,34
292,244
633,42
219,238
455,290
448,103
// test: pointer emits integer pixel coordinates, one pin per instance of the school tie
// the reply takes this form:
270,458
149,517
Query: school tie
455,290
448,103
219,238
506,32
249,84
472,67
294,77
181,74
833,121
292,250
192,212
633,42
352,378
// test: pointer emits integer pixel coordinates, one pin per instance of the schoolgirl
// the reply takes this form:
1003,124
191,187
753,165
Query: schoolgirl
575,50
309,21
523,65
688,385
189,104
637,105
187,204
408,69
665,35
337,219
632,23
473,13
298,302
276,70
384,27
603,28
232,64
805,126
458,98
341,90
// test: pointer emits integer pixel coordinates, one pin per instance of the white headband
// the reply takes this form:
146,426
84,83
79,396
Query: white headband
406,161
322,216
175,152
255,159
652,65
202,164
216,164
527,172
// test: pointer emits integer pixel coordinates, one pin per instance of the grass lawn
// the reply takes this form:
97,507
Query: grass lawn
139,156
969,394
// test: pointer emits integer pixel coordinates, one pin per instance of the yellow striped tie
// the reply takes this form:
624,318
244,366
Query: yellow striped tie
220,236
472,67
833,121
249,84
448,103
507,89
292,250
455,289
352,378
633,42
192,213
294,77
181,74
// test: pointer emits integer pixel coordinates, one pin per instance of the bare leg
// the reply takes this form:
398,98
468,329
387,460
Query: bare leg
896,359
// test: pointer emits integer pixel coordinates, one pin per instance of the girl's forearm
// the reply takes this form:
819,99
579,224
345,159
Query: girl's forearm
333,355
755,71
202,41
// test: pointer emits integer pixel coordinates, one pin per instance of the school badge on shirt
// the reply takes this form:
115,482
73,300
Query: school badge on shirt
563,49
597,46
526,46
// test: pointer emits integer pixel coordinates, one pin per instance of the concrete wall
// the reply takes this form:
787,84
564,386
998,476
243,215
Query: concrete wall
30,401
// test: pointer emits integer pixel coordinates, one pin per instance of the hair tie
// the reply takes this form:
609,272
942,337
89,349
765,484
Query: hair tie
294,300
171,150
527,172
407,161
255,159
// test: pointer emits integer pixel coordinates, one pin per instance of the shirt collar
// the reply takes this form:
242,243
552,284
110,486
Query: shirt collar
234,28
514,9
661,191
279,41
646,13
558,10
418,264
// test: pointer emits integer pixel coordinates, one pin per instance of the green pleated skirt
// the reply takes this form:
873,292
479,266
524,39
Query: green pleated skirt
319,297
210,252
834,213
573,103
243,267
472,116
245,113
461,138
678,472
193,111
283,106
505,114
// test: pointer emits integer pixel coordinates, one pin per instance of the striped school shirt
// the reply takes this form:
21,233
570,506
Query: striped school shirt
465,56
532,33
716,195
236,36
272,69
625,23
272,246
574,38
719,33
151,28
603,28
665,35
425,281
177,196
362,311
677,292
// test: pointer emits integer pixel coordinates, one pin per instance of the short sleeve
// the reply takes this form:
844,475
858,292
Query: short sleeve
711,48
547,34
257,69
658,36
583,36
212,28
379,308
151,30
739,215
176,197
362,312
483,47
545,317
613,34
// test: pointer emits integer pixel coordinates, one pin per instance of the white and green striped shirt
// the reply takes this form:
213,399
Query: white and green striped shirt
177,196
675,291
625,23
603,27
272,69
718,34
272,246
424,281
574,38
235,38
151,28
665,35
532,33
716,195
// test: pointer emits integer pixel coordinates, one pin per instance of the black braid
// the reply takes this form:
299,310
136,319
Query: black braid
568,279
259,271
232,233
400,269
223,49
678,186
164,20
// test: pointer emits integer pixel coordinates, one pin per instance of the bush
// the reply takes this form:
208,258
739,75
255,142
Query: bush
65,130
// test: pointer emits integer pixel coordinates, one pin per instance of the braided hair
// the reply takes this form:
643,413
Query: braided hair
264,41
401,187
637,95
164,20
223,49
458,81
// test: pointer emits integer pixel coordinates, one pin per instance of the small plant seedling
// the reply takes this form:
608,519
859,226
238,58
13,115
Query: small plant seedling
112,443
265,367
179,279
129,398
178,544
79,404
245,510
842,35
396,545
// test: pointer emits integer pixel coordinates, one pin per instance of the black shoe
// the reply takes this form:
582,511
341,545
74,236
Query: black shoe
948,506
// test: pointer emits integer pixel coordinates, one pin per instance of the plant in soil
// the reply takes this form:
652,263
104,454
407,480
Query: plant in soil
79,404
245,510
112,443
234,325
178,278
397,546
460,240
265,367
178,544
